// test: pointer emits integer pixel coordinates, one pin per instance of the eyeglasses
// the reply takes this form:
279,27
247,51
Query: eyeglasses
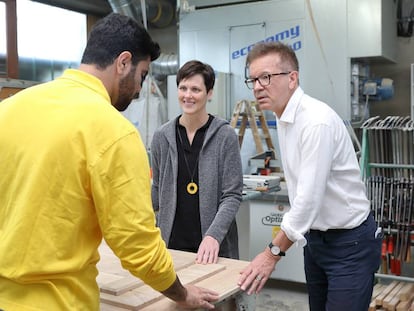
264,80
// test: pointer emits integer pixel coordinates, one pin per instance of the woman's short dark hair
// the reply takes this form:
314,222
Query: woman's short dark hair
194,67
115,34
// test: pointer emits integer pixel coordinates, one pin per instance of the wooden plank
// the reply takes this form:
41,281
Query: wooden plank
106,278
225,283
132,300
392,304
405,305
120,285
392,296
145,295
406,292
378,288
379,299
106,307
198,272
372,306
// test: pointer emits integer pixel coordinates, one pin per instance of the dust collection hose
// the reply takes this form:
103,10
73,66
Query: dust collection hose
160,13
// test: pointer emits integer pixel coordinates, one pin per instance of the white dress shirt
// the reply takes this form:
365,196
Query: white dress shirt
321,169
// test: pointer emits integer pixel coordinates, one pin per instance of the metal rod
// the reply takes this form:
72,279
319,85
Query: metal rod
389,165
394,277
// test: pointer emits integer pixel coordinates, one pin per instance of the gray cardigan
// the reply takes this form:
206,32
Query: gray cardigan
220,183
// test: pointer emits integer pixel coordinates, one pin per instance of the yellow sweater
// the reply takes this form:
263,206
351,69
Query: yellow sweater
72,169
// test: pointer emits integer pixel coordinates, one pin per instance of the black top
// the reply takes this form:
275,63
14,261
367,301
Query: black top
186,230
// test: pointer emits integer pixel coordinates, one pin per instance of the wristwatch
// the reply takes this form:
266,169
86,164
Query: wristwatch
275,250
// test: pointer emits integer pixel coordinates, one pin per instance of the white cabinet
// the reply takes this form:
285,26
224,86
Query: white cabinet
258,221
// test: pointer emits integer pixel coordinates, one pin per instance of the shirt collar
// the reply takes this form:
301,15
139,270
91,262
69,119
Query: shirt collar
291,108
88,80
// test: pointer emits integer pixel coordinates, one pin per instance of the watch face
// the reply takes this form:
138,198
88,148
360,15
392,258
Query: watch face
275,250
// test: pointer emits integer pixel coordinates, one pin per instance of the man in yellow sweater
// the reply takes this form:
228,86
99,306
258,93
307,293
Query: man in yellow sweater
74,170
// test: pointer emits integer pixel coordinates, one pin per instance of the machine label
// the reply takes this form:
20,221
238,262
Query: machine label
274,219
291,33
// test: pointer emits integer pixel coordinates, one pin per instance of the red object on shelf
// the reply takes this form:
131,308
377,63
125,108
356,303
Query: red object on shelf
265,171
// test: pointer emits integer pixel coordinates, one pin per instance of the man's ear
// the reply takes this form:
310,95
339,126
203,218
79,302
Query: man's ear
293,79
123,63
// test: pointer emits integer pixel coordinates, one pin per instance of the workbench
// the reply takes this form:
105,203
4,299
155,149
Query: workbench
121,291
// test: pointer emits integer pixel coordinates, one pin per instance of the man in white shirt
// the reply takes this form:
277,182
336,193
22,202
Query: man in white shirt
330,213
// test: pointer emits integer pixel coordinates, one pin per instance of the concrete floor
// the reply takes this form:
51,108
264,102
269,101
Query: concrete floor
282,296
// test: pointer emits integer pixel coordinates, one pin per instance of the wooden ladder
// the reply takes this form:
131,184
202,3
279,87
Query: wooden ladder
250,111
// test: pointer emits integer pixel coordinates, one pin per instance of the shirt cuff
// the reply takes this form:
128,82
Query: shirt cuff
293,235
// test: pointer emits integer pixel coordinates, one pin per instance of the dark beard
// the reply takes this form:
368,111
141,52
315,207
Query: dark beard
126,86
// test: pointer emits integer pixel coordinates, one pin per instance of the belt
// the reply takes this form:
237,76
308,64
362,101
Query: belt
337,231
329,231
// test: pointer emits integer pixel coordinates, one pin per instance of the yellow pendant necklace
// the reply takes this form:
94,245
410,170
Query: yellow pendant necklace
192,187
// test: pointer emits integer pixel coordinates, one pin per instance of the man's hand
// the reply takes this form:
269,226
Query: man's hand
255,275
208,251
198,297
190,296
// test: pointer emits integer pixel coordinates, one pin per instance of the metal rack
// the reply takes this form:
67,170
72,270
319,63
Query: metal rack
387,167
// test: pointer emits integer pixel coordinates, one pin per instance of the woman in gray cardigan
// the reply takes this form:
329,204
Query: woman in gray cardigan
197,173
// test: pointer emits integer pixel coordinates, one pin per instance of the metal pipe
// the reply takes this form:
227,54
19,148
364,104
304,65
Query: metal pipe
160,12
166,64
393,277
127,7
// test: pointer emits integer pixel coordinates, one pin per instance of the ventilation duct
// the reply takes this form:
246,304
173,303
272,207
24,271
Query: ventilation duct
160,13
166,64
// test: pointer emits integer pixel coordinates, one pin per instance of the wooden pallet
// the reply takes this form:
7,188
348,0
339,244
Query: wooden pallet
396,296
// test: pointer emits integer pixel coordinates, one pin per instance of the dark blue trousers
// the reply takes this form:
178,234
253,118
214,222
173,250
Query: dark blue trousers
340,265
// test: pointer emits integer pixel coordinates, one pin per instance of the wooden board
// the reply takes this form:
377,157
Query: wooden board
145,295
122,291
380,298
406,292
406,305
378,288
391,300
119,281
396,296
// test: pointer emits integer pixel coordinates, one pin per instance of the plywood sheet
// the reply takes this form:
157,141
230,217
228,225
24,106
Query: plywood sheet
122,291
120,281
144,295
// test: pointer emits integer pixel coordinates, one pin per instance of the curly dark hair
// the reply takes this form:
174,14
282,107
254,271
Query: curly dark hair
116,33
